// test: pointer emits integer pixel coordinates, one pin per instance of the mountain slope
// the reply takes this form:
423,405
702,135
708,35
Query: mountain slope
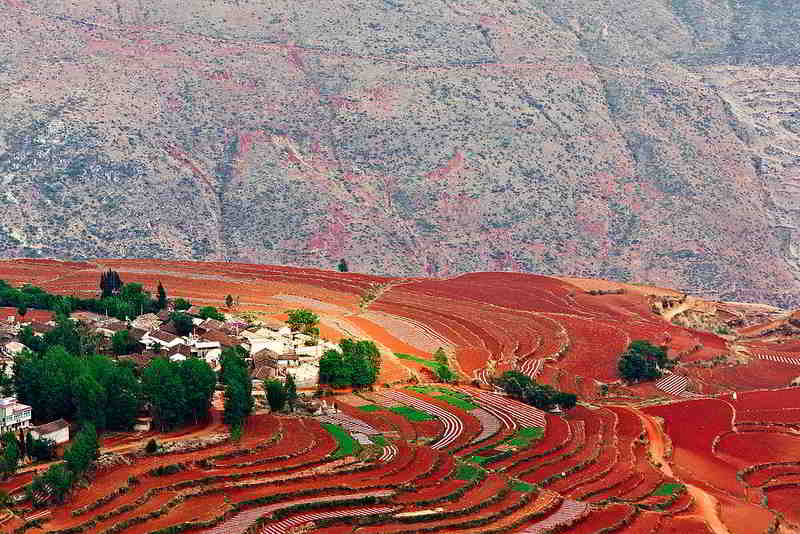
652,142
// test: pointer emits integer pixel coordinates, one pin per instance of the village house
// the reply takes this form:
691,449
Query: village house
56,431
148,321
109,328
161,338
13,415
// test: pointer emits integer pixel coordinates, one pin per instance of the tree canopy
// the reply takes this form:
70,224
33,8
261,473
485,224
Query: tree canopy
90,388
123,343
235,375
110,283
542,396
643,361
356,364
210,312
182,322
276,395
303,320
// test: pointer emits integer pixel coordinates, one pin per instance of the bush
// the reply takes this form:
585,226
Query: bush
151,447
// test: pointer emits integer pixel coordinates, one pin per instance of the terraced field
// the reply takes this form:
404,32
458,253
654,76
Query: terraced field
457,458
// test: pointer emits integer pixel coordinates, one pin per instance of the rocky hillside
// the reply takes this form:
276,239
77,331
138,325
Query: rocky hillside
655,141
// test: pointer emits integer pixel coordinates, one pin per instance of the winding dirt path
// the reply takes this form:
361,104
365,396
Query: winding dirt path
707,504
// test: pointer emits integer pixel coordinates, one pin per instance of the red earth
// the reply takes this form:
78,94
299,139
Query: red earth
608,447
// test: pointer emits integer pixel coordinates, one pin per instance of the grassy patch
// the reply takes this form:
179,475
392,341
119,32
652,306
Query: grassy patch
347,445
370,408
379,440
665,490
457,402
518,485
525,436
412,414
468,472
476,459
427,363
430,390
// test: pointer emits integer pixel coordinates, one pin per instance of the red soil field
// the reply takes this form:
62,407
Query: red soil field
746,448
692,426
502,318
784,500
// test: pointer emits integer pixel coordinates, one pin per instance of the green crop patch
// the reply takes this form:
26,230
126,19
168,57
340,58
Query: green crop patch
526,436
431,390
412,414
665,490
468,472
370,408
518,485
427,363
347,445
379,440
457,402
477,459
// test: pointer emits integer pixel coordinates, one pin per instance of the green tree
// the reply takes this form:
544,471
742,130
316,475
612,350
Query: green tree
440,356
124,398
11,454
57,480
182,304
229,301
40,449
567,401
90,400
235,375
183,323
162,296
276,395
163,388
199,382
643,361
22,310
444,374
342,266
110,283
303,320
210,312
123,343
84,450
291,391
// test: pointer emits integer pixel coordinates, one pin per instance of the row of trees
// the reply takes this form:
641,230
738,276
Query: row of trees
542,396
118,300
90,388
356,364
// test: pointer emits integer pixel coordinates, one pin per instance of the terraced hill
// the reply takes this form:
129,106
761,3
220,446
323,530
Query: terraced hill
700,451
656,142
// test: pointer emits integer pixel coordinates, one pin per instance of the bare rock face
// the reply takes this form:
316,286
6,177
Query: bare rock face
658,143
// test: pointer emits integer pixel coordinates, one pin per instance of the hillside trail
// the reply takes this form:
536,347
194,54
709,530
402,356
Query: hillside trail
707,504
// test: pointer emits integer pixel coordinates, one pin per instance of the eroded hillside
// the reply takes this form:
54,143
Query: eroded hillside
654,142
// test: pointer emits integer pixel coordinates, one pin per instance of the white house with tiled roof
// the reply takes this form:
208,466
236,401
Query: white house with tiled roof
14,415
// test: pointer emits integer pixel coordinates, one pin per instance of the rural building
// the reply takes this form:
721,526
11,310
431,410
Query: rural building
148,321
57,431
14,415
160,337
110,328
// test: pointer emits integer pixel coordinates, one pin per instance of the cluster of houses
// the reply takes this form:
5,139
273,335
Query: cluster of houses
274,350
